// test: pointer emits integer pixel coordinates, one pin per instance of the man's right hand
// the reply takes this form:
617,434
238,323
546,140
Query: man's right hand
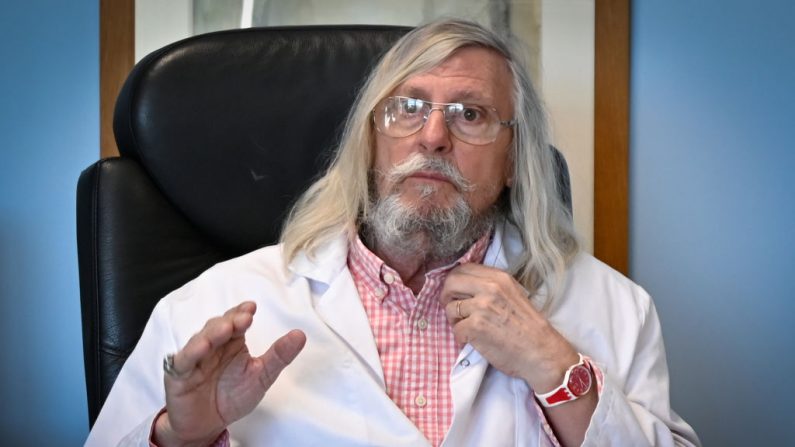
217,381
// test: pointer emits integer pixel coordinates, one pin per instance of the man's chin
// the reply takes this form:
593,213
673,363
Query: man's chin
435,225
430,202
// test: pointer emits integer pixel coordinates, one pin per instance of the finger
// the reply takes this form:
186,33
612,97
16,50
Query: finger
234,323
241,317
461,285
478,280
483,307
456,310
476,329
281,353
453,295
201,345
463,332
245,306
474,269
455,288
215,334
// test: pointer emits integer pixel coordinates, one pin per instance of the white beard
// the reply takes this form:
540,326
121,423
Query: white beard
425,230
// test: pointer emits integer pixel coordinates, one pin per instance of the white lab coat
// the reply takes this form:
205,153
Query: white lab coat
333,394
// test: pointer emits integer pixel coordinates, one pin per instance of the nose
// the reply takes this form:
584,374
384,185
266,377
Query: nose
435,135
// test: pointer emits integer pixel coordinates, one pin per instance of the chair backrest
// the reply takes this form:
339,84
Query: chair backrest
218,135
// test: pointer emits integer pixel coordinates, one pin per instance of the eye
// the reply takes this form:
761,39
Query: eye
411,106
471,114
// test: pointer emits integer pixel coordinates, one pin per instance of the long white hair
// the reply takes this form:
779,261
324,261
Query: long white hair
336,203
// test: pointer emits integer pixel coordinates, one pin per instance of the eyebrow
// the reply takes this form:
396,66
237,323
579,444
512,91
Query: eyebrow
461,96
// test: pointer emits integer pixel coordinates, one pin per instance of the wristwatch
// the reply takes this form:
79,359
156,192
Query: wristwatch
576,383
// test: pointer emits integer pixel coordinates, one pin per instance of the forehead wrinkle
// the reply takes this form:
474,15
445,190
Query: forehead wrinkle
470,74
469,95
465,95
413,91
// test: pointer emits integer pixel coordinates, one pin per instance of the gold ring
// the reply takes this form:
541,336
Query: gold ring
458,310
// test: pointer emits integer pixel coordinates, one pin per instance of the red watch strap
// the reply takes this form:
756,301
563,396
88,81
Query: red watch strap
562,393
560,396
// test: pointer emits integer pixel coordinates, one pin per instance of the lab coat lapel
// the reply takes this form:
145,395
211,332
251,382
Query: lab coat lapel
342,311
338,303
505,248
471,367
465,382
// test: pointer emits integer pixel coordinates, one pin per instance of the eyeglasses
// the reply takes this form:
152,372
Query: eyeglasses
400,116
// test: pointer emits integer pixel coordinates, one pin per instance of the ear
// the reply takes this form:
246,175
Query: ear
509,174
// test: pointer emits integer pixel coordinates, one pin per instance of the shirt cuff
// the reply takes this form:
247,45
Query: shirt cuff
221,441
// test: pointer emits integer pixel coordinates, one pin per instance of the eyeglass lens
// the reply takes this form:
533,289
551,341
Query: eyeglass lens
400,116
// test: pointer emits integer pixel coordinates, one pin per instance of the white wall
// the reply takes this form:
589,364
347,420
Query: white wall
158,23
567,85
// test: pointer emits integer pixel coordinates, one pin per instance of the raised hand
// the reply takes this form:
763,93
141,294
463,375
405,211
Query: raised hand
216,381
490,310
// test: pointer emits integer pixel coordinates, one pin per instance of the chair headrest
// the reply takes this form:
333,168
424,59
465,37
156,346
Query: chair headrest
232,126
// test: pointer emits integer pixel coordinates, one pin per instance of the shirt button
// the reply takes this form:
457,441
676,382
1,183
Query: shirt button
420,401
389,278
380,292
464,363
422,324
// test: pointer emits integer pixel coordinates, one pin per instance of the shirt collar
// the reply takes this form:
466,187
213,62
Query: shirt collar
375,269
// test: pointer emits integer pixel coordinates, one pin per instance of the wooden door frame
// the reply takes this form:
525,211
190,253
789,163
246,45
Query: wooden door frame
611,112
611,133
116,59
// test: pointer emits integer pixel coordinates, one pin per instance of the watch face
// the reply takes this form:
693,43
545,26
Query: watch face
579,380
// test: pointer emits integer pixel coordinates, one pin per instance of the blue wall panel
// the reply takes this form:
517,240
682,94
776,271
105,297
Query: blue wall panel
49,127
713,207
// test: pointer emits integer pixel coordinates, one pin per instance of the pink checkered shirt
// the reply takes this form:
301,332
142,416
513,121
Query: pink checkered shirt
414,339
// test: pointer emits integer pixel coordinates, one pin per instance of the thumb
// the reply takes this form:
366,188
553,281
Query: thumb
281,353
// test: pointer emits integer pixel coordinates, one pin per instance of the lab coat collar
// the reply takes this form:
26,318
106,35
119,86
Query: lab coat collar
332,256
505,249
325,263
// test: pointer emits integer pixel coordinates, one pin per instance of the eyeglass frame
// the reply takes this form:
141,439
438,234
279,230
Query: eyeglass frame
443,107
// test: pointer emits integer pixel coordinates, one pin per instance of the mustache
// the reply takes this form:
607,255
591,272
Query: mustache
420,163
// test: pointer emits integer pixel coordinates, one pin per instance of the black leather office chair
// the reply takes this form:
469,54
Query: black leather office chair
218,134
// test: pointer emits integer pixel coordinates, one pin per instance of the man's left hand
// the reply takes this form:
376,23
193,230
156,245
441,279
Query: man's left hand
489,309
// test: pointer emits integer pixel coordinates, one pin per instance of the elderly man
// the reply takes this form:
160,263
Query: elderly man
428,289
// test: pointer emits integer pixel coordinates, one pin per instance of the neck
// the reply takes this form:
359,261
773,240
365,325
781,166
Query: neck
411,267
